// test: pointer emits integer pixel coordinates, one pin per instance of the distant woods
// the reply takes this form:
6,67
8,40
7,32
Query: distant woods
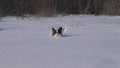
50,7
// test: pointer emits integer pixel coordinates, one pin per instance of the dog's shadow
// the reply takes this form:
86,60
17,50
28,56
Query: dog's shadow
1,29
66,35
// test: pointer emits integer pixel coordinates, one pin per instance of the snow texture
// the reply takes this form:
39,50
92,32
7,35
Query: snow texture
88,42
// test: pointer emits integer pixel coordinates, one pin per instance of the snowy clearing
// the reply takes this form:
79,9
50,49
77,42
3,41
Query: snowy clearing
88,42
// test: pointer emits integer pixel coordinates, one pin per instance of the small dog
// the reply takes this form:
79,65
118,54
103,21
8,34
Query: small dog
57,32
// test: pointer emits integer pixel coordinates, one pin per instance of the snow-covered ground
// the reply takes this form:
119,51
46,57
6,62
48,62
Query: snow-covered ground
88,42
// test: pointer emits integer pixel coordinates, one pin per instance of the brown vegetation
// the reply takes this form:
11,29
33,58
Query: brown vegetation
50,7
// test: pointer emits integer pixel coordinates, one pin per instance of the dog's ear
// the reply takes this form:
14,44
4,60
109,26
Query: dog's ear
60,30
53,31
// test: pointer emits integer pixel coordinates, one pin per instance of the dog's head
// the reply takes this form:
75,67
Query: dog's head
57,32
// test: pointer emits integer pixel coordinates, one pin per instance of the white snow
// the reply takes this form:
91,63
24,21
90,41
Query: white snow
88,42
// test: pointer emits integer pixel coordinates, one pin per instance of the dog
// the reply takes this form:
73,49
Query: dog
58,32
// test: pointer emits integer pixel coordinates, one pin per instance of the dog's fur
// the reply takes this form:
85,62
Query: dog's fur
56,32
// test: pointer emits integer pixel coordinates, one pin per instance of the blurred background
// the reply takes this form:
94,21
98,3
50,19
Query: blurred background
53,7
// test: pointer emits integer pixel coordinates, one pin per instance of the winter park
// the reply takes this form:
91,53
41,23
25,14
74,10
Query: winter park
88,37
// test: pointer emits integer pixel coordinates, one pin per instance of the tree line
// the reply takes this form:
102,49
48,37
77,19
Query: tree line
50,7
